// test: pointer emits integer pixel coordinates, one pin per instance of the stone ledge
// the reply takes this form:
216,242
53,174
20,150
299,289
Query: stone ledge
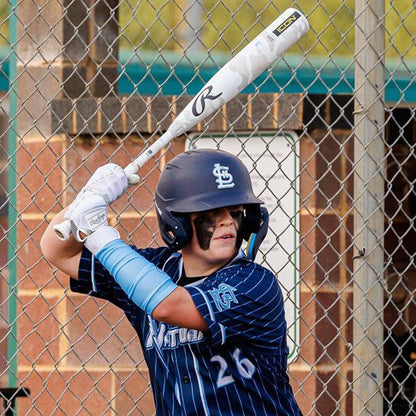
147,114
122,115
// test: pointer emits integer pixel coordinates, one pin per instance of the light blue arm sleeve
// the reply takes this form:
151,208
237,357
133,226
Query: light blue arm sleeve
144,283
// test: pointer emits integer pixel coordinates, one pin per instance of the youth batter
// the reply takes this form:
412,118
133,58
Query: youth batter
210,320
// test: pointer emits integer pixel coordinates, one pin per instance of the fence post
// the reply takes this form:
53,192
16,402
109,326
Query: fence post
368,204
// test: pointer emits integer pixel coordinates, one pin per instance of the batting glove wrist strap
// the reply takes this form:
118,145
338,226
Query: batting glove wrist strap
144,283
100,238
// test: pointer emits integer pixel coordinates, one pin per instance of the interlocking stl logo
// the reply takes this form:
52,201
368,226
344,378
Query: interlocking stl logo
224,177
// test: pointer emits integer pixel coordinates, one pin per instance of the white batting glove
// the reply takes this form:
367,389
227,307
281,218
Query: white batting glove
98,239
89,223
79,198
108,181
87,215
88,212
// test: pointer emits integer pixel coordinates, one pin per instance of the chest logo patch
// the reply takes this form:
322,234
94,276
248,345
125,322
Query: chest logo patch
223,296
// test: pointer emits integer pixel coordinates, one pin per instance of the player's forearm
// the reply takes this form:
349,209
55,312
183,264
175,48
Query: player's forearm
62,254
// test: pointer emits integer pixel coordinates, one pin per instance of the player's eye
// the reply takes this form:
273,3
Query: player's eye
207,220
236,211
236,214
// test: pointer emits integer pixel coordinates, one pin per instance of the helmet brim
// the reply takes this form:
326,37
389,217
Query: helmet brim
199,203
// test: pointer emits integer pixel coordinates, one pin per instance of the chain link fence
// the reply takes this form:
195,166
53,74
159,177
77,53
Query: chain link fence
328,134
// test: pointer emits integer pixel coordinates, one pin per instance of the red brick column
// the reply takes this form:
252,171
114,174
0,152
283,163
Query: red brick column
324,367
4,225
39,180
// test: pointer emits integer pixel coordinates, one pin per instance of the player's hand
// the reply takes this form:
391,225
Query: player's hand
110,182
87,214
89,223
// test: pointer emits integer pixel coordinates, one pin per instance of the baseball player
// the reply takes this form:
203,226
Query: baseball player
210,320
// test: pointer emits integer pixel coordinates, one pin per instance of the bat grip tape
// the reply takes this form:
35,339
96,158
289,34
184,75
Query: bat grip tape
144,283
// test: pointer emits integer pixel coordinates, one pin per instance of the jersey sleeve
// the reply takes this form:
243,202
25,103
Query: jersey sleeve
243,303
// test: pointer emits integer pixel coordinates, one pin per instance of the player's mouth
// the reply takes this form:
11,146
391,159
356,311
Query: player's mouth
225,236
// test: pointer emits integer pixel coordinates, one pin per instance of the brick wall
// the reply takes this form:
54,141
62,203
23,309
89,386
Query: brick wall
67,336
68,340
3,236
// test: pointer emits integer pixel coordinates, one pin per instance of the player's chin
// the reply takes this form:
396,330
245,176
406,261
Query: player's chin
224,247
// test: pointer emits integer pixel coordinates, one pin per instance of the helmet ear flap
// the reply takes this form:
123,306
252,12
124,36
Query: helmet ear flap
176,229
251,221
257,237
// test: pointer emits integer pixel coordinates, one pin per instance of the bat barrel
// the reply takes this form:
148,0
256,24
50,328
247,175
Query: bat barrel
243,68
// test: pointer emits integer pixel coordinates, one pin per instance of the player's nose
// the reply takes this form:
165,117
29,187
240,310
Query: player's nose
224,217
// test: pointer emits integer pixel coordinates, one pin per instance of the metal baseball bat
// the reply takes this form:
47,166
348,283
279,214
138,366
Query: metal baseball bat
228,82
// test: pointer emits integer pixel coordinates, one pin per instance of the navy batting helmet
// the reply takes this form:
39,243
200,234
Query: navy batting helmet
201,180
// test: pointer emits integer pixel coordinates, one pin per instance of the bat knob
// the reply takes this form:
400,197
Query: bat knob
63,230
133,179
130,172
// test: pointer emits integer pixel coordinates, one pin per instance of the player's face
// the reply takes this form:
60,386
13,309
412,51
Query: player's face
215,234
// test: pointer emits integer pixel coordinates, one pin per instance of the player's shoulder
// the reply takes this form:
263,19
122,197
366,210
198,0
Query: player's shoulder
244,269
246,265
247,280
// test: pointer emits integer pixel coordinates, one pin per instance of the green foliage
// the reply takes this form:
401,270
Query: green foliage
228,25
148,24
4,24
331,24
400,28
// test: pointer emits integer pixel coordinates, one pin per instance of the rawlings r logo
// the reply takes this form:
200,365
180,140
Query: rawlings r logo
198,106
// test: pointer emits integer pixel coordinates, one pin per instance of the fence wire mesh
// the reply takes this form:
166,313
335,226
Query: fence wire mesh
328,133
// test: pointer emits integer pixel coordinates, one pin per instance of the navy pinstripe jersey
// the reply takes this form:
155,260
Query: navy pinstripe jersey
237,367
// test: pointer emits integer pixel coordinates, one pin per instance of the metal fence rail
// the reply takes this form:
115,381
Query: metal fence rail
328,134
